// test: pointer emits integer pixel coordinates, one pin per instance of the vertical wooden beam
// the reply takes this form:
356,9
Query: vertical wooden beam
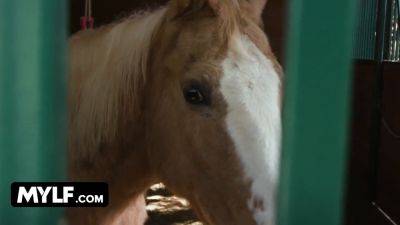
32,101
316,112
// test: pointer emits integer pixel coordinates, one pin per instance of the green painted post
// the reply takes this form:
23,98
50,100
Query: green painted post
316,110
32,101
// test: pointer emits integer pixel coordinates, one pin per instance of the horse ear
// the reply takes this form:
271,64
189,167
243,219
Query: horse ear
186,7
254,8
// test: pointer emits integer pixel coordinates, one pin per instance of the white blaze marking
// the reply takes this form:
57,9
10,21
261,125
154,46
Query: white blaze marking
250,86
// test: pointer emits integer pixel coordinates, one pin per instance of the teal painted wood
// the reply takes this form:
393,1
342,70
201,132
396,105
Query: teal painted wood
316,111
32,101
364,37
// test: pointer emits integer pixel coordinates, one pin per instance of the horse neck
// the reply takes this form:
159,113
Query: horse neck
107,140
107,75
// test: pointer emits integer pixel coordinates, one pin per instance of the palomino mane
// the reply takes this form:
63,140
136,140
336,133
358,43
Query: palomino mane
108,70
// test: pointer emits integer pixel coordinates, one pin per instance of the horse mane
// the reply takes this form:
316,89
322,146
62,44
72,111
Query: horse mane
108,69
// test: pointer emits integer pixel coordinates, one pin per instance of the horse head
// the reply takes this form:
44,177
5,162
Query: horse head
188,95
213,110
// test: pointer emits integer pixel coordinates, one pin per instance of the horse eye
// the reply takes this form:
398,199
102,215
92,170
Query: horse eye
195,96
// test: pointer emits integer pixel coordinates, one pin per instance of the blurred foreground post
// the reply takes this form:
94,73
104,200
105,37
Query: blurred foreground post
32,101
316,112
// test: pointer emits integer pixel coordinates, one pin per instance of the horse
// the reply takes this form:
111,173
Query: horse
188,94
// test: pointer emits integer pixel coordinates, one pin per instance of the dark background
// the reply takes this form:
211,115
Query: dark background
373,176
107,11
